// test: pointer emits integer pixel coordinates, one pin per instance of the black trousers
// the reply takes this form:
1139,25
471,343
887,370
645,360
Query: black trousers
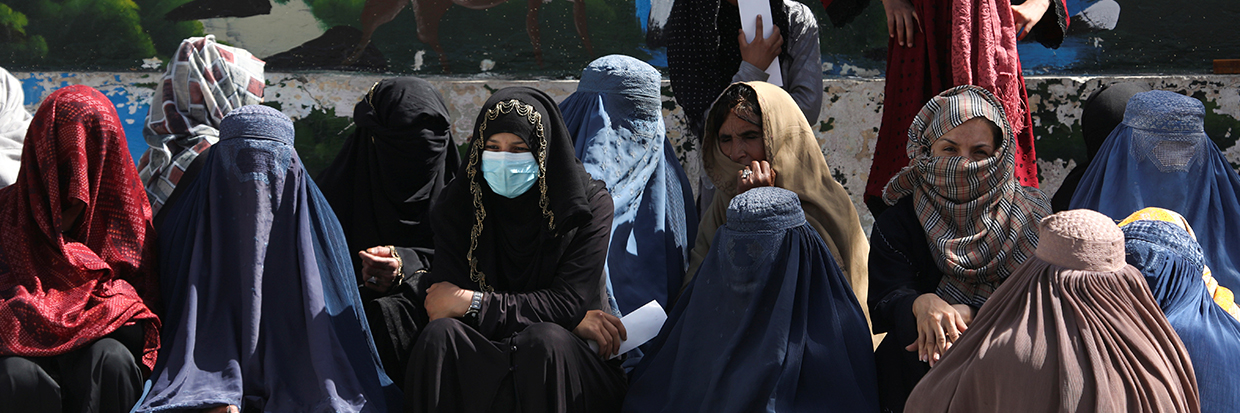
101,377
544,368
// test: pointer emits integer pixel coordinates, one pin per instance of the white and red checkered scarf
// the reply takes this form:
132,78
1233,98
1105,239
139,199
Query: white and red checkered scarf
204,81
978,218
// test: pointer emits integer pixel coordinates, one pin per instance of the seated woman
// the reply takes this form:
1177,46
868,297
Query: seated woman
616,119
959,224
1074,329
263,312
203,83
14,119
1222,296
77,265
518,286
755,136
770,324
1160,156
1171,261
1100,114
381,186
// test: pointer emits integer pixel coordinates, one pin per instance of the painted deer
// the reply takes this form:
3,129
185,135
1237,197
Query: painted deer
429,12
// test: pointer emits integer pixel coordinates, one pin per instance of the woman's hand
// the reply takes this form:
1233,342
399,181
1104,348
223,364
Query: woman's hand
764,49
902,21
446,300
379,268
938,326
1027,14
605,329
760,174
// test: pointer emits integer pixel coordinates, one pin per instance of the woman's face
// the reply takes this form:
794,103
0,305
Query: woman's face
973,139
506,142
741,141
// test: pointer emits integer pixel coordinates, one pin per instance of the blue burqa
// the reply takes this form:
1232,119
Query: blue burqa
616,121
262,308
1171,262
769,324
1161,157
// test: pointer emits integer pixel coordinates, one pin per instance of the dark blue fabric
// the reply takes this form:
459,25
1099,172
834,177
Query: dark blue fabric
262,307
617,125
1171,262
1161,157
769,324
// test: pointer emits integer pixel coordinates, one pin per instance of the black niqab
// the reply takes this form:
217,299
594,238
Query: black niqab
395,164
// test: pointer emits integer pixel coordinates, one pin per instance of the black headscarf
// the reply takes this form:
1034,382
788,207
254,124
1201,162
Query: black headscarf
703,53
518,241
1101,113
395,164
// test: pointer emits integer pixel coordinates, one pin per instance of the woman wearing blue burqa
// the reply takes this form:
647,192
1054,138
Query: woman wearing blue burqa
263,311
1161,157
770,324
1171,261
616,119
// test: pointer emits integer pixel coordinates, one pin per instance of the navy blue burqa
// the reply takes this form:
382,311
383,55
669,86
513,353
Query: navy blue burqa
1171,262
769,324
262,306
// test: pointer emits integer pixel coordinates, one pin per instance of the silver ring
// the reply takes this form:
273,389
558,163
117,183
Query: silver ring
373,280
746,173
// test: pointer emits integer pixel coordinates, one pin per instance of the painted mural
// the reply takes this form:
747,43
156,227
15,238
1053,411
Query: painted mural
544,38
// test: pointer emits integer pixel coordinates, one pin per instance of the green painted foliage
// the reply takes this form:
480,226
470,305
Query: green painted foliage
93,34
331,13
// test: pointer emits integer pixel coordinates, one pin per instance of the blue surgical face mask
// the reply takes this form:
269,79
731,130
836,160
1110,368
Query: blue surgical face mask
509,174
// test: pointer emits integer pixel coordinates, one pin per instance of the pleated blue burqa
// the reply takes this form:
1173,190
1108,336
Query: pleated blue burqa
769,324
262,308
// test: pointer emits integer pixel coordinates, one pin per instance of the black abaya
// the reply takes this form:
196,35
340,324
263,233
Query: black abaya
539,259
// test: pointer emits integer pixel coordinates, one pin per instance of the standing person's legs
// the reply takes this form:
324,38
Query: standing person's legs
555,371
26,387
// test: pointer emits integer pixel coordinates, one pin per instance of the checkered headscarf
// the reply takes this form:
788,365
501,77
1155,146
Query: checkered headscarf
204,81
976,215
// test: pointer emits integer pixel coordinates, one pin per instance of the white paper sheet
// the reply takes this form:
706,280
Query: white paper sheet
642,325
750,10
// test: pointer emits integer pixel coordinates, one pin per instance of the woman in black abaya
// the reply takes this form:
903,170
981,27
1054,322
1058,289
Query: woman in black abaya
517,287
381,186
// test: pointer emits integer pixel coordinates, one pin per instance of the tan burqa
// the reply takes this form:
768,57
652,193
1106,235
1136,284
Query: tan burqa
1074,329
796,157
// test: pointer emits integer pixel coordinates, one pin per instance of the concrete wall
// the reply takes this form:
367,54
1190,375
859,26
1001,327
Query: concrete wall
849,123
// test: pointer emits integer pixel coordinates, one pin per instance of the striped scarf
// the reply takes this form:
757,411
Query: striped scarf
977,217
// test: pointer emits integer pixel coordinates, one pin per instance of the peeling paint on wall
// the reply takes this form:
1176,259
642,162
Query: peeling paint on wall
851,113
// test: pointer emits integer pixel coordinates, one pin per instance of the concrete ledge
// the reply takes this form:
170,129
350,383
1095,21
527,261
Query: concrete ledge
851,113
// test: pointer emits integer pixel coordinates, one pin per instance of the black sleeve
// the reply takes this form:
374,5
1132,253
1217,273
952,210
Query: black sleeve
412,261
900,267
574,289
1054,23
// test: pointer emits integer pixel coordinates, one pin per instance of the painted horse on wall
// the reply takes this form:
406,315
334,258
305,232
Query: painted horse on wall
375,13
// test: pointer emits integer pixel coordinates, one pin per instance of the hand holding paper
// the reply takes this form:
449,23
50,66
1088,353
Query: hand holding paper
643,324
753,12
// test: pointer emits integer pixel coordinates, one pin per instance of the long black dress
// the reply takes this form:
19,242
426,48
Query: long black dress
539,259
901,269
381,186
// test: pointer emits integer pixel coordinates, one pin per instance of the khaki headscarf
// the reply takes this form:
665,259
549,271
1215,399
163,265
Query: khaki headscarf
800,167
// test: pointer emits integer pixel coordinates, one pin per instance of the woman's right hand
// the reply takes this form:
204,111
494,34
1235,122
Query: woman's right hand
379,264
902,21
761,174
605,329
939,324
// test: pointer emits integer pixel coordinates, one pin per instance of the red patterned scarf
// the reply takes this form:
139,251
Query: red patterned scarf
979,220
61,291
